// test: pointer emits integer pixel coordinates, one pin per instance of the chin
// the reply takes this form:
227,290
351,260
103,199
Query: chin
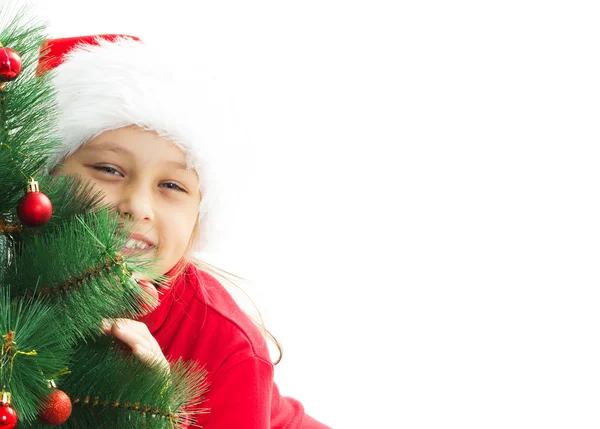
166,264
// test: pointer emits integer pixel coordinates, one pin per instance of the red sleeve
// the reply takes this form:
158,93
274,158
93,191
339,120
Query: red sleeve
244,396
239,397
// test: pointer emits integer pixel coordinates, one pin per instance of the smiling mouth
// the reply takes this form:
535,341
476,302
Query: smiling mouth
136,246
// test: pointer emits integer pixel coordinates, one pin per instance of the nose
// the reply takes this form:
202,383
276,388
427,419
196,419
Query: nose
135,203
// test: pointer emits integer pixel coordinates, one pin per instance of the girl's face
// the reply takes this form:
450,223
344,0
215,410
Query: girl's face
146,178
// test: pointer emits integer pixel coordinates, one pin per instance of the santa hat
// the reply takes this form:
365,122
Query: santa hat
106,82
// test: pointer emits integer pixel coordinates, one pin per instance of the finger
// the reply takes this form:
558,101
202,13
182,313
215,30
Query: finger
142,352
126,334
124,329
106,326
132,324
137,327
150,358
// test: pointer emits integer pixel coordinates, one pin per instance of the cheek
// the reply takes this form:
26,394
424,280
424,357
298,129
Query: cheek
72,167
176,231
111,193
174,235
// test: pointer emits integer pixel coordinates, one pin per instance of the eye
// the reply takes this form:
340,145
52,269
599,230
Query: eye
173,186
108,170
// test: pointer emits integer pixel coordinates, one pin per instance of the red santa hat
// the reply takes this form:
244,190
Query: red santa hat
106,82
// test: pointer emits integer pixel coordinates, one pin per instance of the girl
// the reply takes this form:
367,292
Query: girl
125,128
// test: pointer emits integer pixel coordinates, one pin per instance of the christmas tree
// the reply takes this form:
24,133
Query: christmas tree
62,273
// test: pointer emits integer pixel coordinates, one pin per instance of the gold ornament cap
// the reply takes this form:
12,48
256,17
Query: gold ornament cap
33,186
6,398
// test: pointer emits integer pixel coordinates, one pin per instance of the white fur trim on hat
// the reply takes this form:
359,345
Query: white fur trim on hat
127,82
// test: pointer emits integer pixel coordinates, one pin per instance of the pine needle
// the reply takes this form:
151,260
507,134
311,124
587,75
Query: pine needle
79,269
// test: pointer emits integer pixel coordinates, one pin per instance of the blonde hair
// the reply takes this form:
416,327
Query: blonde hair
227,278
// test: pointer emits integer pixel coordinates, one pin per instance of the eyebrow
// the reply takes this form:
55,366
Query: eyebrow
178,165
112,147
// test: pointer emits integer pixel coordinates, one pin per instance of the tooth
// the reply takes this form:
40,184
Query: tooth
130,243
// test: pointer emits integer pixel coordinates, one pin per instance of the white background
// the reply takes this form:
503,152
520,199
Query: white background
421,226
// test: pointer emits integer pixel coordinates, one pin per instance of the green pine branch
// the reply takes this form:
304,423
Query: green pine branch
28,110
69,195
58,281
110,388
79,269
33,350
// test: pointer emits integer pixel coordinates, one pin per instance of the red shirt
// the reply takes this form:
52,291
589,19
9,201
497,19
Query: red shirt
198,320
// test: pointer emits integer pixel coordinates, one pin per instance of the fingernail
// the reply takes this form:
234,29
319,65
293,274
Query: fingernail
105,325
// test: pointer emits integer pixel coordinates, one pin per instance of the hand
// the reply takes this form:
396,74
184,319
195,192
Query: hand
138,338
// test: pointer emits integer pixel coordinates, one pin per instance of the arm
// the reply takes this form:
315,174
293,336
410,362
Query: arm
244,396
239,396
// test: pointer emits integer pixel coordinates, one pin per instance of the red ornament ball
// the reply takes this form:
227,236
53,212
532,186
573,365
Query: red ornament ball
35,209
8,417
10,65
58,408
